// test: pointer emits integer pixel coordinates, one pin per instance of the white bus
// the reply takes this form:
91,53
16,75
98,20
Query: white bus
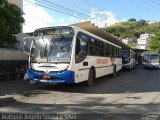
69,54
151,60
128,58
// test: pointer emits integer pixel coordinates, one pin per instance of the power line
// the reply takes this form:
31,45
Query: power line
145,8
70,11
75,5
91,5
61,11
150,5
158,4
64,8
55,10
90,18
86,16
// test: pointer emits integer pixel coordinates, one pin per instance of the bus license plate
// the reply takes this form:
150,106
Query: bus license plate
46,77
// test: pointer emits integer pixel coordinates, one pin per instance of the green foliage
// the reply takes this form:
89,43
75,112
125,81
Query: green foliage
154,44
132,20
130,28
10,21
133,29
133,45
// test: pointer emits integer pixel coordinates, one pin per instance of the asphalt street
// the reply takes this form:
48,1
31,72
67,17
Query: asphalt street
128,94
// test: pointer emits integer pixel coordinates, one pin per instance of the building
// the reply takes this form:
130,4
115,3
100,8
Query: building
19,36
143,41
19,3
127,41
151,22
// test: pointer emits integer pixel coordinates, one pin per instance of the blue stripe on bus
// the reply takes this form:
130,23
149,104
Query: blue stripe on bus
151,67
64,77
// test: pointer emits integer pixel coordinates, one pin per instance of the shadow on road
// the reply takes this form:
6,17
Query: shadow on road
83,111
137,80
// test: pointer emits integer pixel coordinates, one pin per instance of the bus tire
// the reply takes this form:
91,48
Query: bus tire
90,78
114,70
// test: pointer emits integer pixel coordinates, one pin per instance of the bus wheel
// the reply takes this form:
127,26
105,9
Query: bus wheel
114,71
90,78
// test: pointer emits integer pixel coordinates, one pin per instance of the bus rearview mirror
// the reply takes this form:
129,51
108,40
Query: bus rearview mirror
27,44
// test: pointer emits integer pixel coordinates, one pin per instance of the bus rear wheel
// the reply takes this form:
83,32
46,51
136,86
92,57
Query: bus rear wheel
90,78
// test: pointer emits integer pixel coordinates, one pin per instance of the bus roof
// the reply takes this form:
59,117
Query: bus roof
88,26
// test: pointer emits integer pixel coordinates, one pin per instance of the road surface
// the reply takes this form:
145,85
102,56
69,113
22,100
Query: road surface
130,93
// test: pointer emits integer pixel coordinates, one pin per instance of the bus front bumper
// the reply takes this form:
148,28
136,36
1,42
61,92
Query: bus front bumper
151,66
54,78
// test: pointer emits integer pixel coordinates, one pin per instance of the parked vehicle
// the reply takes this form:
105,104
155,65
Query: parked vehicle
70,54
151,60
128,58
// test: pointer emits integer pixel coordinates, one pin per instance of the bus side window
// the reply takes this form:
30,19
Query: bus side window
106,50
77,46
109,50
92,46
81,47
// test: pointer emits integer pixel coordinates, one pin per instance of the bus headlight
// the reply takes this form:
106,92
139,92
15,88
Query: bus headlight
155,63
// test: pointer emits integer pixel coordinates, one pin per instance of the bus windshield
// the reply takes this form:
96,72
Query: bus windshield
55,49
154,57
125,56
146,57
60,50
52,44
151,57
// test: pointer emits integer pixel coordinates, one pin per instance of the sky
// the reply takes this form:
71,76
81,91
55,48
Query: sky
46,13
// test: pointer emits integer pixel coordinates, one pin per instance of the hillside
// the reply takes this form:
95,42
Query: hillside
133,29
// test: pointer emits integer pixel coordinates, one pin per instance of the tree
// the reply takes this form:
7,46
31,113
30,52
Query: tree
10,21
154,44
133,29
132,20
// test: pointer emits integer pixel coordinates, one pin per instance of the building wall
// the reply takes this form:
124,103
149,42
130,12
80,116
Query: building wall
10,59
127,41
143,41
19,3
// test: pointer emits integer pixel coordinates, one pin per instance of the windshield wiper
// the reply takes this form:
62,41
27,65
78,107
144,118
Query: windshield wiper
45,52
34,42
